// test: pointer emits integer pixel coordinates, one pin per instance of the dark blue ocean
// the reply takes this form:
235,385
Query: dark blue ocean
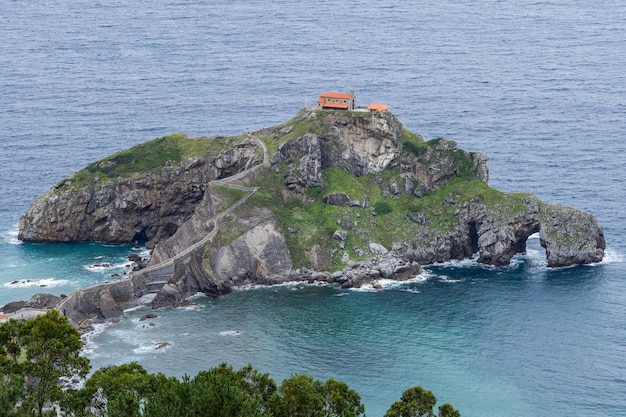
539,86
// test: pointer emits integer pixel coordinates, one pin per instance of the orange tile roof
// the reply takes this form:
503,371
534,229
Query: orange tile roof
335,105
378,107
335,95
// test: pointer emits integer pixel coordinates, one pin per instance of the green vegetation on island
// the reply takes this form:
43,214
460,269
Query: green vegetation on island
39,356
148,157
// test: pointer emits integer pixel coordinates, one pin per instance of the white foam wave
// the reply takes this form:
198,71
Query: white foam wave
135,308
293,285
89,345
143,349
28,283
445,278
230,333
612,256
385,283
105,266
151,348
10,236
197,296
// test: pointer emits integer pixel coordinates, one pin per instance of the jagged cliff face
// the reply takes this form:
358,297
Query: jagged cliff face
361,144
149,207
369,144
569,236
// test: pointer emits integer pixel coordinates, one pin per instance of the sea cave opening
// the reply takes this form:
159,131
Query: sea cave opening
473,236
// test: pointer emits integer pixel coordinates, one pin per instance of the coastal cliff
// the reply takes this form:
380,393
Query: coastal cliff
334,196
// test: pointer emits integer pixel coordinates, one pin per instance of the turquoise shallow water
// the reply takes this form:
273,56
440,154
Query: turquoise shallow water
539,86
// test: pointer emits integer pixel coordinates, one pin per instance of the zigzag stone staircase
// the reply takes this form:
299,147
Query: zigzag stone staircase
154,277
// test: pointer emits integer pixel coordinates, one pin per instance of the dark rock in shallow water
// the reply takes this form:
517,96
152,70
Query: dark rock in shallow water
12,307
133,257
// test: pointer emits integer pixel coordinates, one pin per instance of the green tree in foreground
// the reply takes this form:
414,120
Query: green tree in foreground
418,402
40,352
37,355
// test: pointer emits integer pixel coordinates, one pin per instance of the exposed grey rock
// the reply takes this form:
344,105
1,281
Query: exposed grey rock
150,207
418,218
346,223
337,199
12,307
438,164
569,235
377,248
362,144
408,185
42,301
340,235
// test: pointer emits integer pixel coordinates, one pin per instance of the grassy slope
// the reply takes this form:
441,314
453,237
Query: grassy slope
147,157
316,222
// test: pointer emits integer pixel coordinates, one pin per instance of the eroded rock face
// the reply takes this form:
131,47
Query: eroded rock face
570,236
150,207
438,164
368,144
258,256
362,144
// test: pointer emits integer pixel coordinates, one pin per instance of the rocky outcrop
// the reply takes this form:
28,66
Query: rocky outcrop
360,143
149,207
569,236
368,144
433,166
97,302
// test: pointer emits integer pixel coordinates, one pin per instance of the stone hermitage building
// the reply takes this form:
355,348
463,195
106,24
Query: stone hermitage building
345,101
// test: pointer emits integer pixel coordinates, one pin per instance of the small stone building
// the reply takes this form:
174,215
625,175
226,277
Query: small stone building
336,101
344,101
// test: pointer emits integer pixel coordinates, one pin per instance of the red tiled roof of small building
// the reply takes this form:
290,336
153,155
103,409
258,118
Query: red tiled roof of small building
378,107
336,95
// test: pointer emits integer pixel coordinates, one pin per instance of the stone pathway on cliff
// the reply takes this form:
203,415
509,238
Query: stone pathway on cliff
156,276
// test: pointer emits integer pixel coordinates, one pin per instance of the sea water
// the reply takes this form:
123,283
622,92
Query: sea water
539,86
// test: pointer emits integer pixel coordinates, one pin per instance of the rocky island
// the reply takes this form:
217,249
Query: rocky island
346,197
